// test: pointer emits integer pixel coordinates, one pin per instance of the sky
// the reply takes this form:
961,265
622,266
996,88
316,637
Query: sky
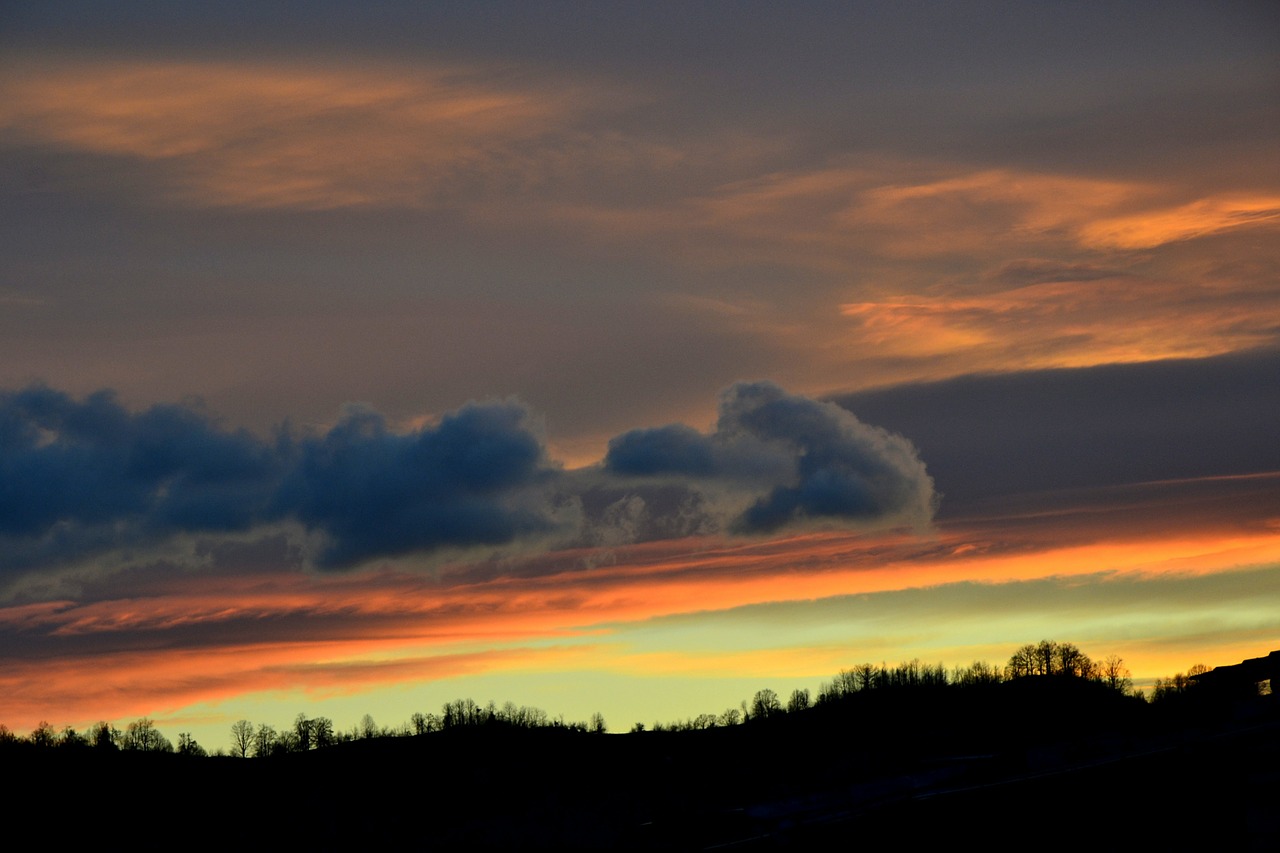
626,357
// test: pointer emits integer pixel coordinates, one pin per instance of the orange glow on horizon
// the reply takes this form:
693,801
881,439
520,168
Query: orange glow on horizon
391,627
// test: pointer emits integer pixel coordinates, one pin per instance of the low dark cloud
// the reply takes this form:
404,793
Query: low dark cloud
88,478
674,449
471,480
85,477
93,462
776,460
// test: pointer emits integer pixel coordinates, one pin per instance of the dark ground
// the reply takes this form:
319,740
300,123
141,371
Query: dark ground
1017,766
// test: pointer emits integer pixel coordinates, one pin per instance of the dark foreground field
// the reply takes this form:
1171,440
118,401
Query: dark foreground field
1017,766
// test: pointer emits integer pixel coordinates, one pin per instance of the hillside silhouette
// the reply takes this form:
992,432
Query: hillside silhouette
907,754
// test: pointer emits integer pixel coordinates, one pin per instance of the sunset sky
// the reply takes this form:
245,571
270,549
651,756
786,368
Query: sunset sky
626,357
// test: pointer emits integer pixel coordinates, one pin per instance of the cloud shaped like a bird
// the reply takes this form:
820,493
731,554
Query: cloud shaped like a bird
81,477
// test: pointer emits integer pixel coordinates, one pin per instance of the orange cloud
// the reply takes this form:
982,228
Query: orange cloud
1199,218
261,135
907,210
1064,324
940,269
959,214
835,217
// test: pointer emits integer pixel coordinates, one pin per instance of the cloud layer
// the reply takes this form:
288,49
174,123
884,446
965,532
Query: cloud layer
241,224
80,477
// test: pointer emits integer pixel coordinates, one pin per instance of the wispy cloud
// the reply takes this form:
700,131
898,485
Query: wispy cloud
955,270
1200,218
296,136
936,261
917,210
1065,323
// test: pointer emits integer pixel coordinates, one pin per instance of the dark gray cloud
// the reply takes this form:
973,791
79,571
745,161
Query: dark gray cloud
80,476
471,480
674,449
67,466
83,477
776,460
991,436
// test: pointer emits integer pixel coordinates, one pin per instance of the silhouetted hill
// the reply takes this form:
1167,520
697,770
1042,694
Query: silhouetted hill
1005,764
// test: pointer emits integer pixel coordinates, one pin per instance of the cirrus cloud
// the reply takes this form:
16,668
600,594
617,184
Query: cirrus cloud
278,135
